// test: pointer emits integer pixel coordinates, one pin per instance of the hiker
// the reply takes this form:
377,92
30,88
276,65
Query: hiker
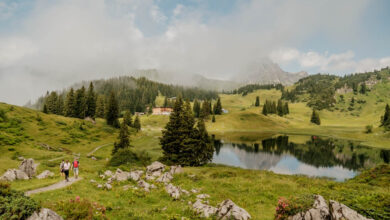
75,167
62,168
66,170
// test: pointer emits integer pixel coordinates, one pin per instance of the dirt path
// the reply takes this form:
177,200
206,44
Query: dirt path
97,148
58,185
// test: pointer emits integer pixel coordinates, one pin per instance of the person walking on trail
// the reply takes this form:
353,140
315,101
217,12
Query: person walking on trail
75,167
67,167
62,168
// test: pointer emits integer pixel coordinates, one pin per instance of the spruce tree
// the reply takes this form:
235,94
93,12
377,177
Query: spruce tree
51,102
213,119
257,103
100,107
279,108
137,123
315,118
127,119
70,104
205,110
203,150
123,139
44,110
60,105
196,108
112,112
218,107
80,103
273,107
385,120
91,102
286,109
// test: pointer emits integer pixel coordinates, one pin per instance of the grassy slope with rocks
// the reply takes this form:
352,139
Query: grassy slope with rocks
255,191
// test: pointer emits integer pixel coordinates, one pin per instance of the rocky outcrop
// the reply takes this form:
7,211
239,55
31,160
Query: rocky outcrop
229,210
108,173
45,214
204,210
146,186
155,167
165,178
176,169
14,174
340,211
29,167
121,175
173,191
45,174
136,175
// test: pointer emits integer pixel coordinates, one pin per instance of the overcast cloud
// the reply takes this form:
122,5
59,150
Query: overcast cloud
65,41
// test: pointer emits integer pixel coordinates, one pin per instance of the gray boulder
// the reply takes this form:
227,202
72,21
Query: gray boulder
340,211
45,174
136,175
14,174
165,178
176,169
228,210
203,196
45,214
107,186
204,210
173,191
146,186
108,173
155,166
29,167
121,175
320,211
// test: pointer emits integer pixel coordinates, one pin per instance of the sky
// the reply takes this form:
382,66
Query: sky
51,44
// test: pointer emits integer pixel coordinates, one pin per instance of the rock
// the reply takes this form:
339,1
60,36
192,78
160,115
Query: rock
185,191
28,166
319,211
176,169
144,185
165,178
195,190
21,158
156,173
108,173
20,175
93,158
136,175
340,211
99,186
204,210
121,175
45,214
92,181
173,191
90,120
149,177
228,210
203,196
107,186
14,174
155,166
45,174
102,176
109,180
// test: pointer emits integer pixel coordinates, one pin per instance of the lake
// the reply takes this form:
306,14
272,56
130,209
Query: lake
307,155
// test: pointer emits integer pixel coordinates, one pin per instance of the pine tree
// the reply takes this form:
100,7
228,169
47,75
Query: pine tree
44,110
385,120
70,104
363,88
203,150
60,105
137,123
273,107
286,109
123,139
196,108
112,112
257,103
80,103
127,119
100,107
165,102
51,102
91,102
213,119
315,118
218,107
205,110
279,108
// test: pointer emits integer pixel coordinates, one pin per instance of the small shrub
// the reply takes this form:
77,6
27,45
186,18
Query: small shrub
81,209
292,206
368,129
11,149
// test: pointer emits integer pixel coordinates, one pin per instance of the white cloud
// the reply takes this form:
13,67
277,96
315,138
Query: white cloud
329,63
178,10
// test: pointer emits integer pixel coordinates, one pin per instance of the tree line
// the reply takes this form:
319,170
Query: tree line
244,90
270,107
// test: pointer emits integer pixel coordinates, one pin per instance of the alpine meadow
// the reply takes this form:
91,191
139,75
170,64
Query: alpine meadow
228,110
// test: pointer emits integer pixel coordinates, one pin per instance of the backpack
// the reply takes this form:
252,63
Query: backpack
75,164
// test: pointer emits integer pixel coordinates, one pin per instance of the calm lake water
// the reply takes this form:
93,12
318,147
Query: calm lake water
312,156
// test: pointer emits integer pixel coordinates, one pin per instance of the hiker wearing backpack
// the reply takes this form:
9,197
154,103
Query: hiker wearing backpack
75,167
62,168
67,166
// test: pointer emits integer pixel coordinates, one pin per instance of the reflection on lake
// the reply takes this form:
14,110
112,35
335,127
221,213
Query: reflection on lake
338,159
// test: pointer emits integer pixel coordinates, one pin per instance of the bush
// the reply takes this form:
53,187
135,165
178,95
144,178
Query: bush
293,205
130,158
14,205
368,129
81,209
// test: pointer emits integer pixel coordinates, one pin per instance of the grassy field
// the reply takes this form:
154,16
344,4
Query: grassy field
25,131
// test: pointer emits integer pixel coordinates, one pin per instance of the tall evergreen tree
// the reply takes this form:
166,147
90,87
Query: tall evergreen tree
165,102
60,105
70,108
112,112
273,107
80,103
385,120
315,118
279,108
218,107
51,102
203,150
213,119
363,88
137,123
127,119
123,139
44,110
100,107
286,109
196,108
257,103
91,102
205,110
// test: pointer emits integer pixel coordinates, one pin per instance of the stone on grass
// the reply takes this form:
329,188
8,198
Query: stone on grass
21,158
136,175
29,167
176,169
340,211
108,173
228,210
45,214
195,190
146,186
203,196
149,177
165,178
93,158
99,186
45,174
319,211
173,191
204,210
14,174
155,166
121,175
107,186
92,181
